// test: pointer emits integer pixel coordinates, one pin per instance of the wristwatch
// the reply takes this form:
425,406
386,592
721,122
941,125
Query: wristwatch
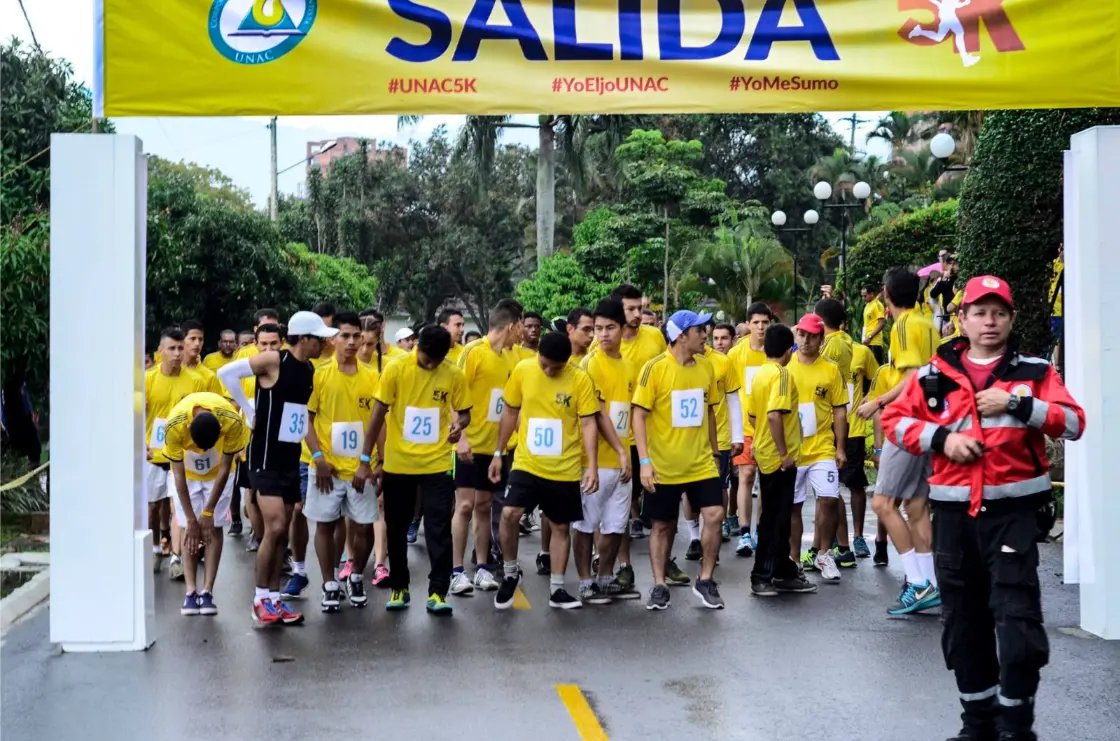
1012,403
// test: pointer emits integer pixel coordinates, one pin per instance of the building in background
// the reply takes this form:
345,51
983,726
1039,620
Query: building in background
323,154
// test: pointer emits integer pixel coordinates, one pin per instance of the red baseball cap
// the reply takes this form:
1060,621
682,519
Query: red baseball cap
987,285
811,323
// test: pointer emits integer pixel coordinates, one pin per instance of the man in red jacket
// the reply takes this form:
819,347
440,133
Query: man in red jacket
984,412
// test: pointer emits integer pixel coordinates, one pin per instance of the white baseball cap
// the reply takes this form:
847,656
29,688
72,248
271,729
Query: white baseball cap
308,322
403,334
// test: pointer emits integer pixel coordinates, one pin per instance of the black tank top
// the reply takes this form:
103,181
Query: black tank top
281,417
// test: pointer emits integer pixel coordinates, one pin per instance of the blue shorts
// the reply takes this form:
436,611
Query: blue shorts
1056,327
303,468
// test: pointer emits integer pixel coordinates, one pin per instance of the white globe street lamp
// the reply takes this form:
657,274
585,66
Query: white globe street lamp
822,190
861,190
811,216
942,146
778,218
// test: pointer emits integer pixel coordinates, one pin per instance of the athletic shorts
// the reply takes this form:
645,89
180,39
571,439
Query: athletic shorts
476,474
821,477
745,458
343,500
241,475
560,501
877,352
609,507
901,475
725,468
303,468
199,492
156,478
665,503
854,473
283,484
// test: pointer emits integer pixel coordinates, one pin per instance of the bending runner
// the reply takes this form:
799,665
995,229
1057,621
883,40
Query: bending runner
747,357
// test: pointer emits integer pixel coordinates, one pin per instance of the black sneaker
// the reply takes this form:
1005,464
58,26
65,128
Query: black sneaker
694,551
332,598
763,588
253,544
658,598
616,590
880,558
798,585
708,592
235,529
503,600
561,600
593,594
525,524
544,564
976,734
356,591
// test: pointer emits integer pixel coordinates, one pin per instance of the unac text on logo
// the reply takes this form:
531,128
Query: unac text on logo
960,19
259,31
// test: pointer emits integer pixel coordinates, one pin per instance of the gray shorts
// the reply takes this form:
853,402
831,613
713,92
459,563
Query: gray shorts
902,475
343,499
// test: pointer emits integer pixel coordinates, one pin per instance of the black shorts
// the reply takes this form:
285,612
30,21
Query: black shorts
560,501
283,484
854,473
476,475
665,503
636,491
241,475
725,468
877,351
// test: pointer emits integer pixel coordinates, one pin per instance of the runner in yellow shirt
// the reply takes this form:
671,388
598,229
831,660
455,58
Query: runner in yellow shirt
823,411
326,310
747,357
854,473
452,321
264,316
532,324
245,338
723,339
552,407
423,404
227,348
675,433
193,339
874,321
204,432
772,410
581,333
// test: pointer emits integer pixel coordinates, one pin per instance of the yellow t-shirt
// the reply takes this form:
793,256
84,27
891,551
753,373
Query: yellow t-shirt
923,303
209,379
956,314
513,356
773,390
724,378
216,360
872,313
455,353
199,464
392,352
247,352
646,345
550,441
745,364
913,341
576,361
837,347
420,404
1056,289
864,368
161,394
820,388
342,405
486,373
677,398
614,380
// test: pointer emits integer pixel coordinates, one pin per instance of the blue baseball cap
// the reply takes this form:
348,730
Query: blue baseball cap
683,321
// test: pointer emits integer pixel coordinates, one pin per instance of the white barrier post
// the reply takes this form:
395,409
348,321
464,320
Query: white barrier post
101,579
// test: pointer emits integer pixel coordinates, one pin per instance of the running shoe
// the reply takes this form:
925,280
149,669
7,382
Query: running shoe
915,598
288,616
708,592
930,599
881,558
763,588
625,577
544,564
844,559
265,614
694,552
175,570
437,605
859,547
525,524
674,576
356,591
795,585
332,597
461,584
503,600
637,531
235,529
295,586
826,564
725,531
190,604
413,529
484,580
745,549
658,598
809,560
346,570
615,590
561,600
206,604
733,527
380,576
977,734
593,594
253,544
398,600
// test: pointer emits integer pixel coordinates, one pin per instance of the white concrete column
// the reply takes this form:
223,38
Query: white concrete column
101,580
1092,353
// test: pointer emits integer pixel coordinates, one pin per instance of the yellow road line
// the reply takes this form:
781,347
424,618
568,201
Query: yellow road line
582,715
520,601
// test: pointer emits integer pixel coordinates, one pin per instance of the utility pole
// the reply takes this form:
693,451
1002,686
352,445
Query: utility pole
854,121
274,206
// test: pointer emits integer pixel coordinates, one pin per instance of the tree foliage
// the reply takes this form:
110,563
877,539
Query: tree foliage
560,285
910,239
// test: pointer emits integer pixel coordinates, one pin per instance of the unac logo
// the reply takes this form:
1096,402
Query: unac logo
959,20
259,31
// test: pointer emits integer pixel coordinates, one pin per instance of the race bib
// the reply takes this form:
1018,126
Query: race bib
749,376
496,406
421,425
808,414
202,464
159,433
293,423
347,439
620,417
546,437
688,408
851,396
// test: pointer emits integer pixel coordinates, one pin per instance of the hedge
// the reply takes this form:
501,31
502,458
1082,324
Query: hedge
1011,206
911,239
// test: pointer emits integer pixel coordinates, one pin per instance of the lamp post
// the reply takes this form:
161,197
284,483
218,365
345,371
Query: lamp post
823,191
942,147
778,219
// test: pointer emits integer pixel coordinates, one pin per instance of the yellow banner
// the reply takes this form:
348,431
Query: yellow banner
288,57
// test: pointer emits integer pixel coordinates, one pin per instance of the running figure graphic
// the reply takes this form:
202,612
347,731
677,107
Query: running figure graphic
949,23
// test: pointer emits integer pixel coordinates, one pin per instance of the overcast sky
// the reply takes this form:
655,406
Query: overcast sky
239,146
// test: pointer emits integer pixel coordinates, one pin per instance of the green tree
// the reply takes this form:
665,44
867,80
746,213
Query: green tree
560,285
909,239
207,181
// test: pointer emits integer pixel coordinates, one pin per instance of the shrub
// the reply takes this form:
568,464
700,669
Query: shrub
911,239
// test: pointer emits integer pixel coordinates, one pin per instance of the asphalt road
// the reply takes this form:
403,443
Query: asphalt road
824,666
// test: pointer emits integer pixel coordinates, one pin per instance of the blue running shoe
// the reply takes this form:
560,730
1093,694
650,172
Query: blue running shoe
910,600
295,586
859,547
754,541
725,531
398,600
745,547
929,599
413,528
206,604
733,526
190,605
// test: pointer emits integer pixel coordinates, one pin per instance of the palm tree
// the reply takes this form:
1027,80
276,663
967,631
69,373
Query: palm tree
898,128
965,126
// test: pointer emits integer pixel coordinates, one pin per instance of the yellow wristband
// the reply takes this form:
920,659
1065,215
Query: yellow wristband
207,514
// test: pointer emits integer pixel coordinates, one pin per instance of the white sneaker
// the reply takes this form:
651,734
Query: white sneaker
461,584
826,564
485,581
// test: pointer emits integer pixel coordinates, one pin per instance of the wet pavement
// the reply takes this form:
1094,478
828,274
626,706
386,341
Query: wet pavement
829,665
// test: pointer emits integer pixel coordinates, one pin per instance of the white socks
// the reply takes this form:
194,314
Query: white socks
693,529
261,594
913,567
925,562
299,567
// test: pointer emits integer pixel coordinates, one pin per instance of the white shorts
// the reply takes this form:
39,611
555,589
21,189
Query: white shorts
822,476
156,482
199,492
609,507
343,499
